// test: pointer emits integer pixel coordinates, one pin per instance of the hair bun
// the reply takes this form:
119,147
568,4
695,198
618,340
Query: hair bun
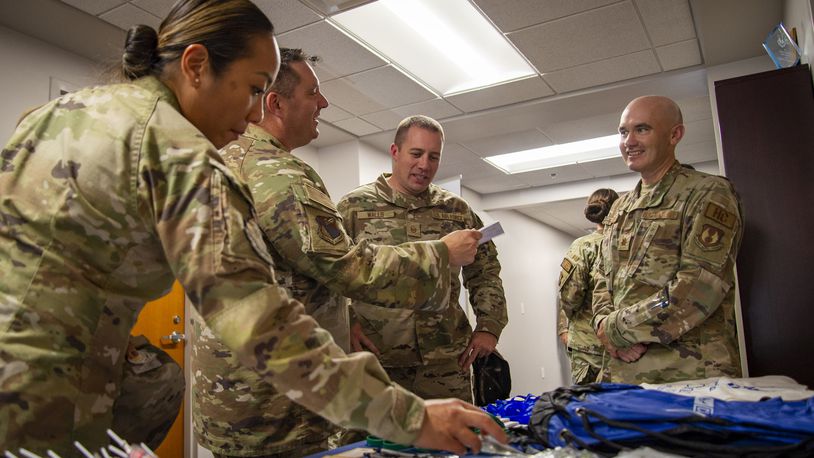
140,51
596,211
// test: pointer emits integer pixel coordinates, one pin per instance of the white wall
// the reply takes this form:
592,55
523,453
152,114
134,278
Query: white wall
339,168
29,65
308,154
372,163
530,254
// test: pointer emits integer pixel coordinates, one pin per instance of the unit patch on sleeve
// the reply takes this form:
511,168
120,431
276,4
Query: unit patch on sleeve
329,229
567,265
710,237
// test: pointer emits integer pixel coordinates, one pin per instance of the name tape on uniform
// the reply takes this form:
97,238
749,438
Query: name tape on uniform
489,232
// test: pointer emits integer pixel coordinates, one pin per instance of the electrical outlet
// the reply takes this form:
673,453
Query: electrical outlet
542,372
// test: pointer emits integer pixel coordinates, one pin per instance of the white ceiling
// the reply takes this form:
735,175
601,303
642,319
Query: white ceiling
592,57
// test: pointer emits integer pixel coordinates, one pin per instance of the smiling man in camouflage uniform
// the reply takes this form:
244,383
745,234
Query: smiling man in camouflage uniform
664,295
236,413
427,351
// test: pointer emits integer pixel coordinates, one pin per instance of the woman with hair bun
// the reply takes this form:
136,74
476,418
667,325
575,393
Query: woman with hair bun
575,290
109,193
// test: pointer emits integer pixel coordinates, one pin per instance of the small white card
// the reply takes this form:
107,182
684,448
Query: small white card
489,232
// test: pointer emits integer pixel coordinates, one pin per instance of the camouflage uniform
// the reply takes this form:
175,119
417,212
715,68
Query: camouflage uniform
420,347
152,392
666,276
236,412
575,290
106,194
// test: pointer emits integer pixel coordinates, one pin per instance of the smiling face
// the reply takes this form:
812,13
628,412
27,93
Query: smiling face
416,160
302,108
649,129
222,106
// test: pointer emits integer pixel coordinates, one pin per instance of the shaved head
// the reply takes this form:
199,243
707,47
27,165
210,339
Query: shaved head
664,107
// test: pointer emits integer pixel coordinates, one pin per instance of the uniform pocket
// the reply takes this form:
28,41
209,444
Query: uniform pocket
657,256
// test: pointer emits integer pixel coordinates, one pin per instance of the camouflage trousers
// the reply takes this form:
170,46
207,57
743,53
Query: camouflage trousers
585,367
302,450
152,392
434,381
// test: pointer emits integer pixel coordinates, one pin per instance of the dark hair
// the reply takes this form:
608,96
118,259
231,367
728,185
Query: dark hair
599,204
421,121
287,78
224,27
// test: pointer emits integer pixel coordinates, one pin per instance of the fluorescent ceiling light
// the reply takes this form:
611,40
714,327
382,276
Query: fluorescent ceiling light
448,45
548,157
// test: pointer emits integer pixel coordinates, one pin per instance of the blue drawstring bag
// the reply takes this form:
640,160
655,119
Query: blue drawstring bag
607,418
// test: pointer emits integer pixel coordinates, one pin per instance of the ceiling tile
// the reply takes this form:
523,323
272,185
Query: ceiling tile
385,119
487,185
454,154
666,21
338,54
554,175
503,94
679,55
159,8
287,14
508,143
95,7
437,109
606,167
356,126
582,129
524,13
374,90
606,32
128,15
331,7
603,72
477,169
333,113
330,135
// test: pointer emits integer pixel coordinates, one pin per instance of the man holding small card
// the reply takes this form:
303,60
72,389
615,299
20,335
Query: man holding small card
428,351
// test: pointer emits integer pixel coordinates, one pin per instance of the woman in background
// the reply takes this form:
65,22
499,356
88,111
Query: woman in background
575,290
108,193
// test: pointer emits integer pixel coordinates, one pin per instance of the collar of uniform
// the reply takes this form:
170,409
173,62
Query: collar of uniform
153,84
425,199
260,135
656,195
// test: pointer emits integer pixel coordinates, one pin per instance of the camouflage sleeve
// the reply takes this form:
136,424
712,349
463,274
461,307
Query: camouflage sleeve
562,322
482,280
709,244
601,302
305,227
575,280
202,217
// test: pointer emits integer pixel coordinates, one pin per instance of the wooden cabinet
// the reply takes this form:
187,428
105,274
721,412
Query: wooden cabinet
767,133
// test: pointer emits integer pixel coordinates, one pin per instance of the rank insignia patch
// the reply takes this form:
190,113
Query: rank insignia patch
329,229
414,229
710,237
